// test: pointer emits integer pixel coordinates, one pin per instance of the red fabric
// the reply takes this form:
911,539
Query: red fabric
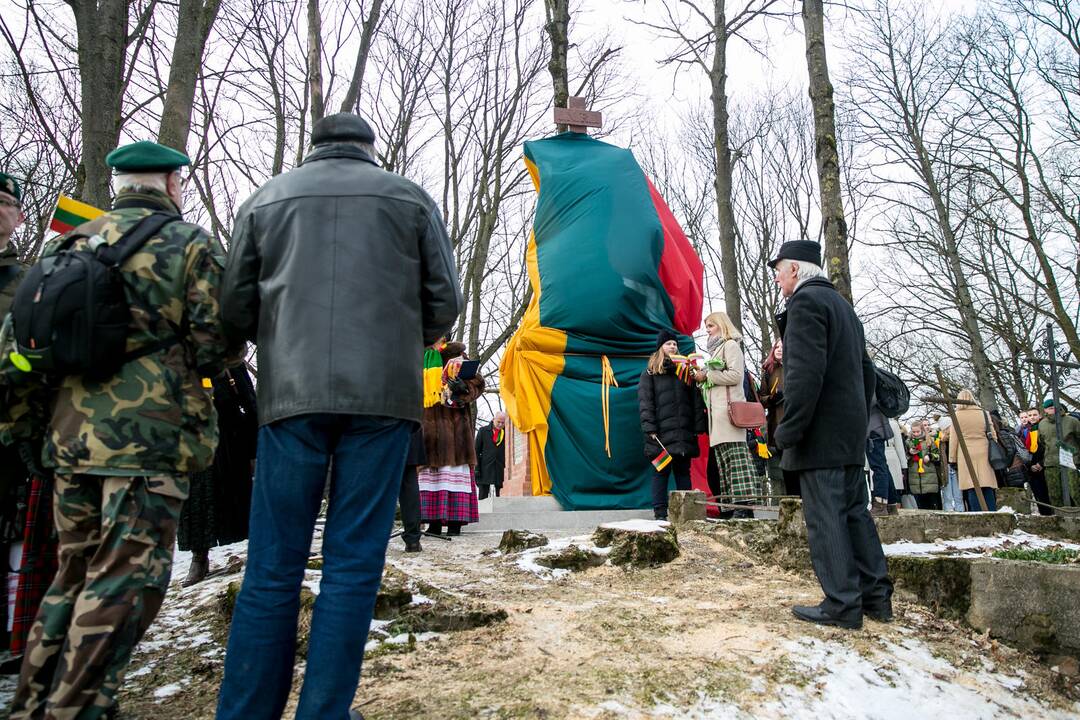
39,561
699,472
680,269
444,506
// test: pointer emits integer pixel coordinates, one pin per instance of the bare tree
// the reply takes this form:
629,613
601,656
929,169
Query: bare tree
701,33
195,20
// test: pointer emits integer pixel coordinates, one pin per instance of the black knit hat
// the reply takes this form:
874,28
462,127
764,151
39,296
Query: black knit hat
664,335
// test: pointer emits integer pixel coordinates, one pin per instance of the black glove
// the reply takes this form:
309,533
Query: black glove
457,386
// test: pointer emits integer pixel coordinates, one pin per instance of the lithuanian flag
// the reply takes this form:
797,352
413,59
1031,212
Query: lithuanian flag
662,460
609,267
70,213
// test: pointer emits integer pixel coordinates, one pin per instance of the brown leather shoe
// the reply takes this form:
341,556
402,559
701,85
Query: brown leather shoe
879,509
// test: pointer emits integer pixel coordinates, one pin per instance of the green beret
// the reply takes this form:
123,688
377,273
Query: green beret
1049,402
145,156
10,186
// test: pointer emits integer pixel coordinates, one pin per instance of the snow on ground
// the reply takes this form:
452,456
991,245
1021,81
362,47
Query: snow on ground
527,559
639,525
976,546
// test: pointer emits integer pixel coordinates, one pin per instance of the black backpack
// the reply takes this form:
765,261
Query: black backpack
893,398
71,315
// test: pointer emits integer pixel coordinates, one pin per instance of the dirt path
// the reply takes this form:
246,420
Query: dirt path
708,636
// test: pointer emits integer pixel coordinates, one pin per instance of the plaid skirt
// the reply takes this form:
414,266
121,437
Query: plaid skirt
448,494
738,476
39,561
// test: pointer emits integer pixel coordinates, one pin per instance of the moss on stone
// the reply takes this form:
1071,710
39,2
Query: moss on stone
941,583
518,540
572,558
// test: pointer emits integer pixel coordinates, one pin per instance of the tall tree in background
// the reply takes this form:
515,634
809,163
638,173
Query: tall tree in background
351,102
834,226
195,20
558,30
703,38
102,30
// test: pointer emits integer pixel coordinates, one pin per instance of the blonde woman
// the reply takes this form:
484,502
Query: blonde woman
971,423
722,382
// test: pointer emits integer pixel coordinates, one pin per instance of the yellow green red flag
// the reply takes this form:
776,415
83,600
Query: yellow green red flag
71,213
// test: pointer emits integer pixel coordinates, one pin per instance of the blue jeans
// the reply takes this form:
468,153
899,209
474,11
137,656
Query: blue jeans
989,495
884,489
294,455
951,499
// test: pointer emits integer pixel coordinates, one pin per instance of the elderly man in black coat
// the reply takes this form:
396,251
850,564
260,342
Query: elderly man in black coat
828,387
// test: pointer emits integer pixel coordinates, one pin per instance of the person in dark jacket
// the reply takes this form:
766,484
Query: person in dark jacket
886,501
491,456
342,273
218,505
1033,456
672,417
410,492
828,388
772,397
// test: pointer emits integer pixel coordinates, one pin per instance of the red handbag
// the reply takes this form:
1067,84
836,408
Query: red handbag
744,414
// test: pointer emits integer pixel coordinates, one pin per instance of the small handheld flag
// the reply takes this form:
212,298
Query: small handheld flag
70,213
662,460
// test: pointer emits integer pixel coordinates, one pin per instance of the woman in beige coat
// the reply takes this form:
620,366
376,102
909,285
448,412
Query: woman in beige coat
721,381
971,422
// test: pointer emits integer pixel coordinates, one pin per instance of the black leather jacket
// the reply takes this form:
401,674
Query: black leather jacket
342,273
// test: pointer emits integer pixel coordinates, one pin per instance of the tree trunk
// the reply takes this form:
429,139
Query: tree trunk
195,20
314,58
724,214
828,164
558,27
352,95
102,41
965,306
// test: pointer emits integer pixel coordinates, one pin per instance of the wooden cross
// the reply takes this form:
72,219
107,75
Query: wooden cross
576,117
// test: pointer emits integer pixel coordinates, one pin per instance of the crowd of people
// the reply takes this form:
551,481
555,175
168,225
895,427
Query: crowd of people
111,420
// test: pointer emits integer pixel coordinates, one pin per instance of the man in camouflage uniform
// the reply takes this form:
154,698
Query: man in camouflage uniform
11,217
122,448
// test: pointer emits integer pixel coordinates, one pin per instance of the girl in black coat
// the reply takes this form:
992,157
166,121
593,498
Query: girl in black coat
672,416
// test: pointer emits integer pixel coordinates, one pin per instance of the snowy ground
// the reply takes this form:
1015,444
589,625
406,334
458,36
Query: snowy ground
707,636
975,547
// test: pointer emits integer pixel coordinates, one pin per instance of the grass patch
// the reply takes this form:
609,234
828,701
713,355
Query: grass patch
1052,556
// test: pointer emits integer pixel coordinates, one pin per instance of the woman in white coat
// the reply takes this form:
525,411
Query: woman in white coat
722,382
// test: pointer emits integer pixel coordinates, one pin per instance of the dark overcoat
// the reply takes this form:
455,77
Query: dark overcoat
828,381
490,458
673,410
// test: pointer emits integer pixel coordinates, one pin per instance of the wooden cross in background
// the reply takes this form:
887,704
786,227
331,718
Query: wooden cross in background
576,117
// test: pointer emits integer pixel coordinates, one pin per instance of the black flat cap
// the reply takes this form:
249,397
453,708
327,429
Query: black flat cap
799,251
342,127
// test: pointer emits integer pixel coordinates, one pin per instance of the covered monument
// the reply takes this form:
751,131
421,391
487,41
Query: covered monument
609,267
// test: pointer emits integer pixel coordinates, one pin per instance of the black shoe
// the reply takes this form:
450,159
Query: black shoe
659,516
879,613
815,614
434,528
454,530
412,547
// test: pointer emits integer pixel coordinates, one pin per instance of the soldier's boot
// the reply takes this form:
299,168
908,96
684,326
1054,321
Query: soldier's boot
200,565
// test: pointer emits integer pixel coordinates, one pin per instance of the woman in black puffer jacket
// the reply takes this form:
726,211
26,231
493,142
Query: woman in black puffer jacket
672,416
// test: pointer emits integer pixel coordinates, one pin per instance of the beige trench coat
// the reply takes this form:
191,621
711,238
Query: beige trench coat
720,428
970,423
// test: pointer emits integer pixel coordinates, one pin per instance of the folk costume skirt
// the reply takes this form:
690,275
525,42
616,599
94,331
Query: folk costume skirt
448,494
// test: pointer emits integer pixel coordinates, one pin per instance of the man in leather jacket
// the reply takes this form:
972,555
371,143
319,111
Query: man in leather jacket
342,273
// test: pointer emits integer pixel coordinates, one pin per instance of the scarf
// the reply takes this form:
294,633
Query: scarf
432,374
497,435
713,344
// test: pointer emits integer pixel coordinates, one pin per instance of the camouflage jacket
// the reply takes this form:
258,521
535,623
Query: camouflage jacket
154,415
11,271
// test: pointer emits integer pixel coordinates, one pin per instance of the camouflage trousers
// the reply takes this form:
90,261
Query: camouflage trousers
1053,486
116,544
